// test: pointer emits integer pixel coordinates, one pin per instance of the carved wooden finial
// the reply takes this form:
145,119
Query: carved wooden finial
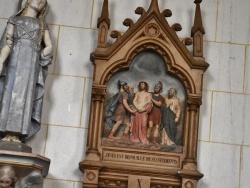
154,6
115,34
198,31
128,22
176,27
103,24
198,19
187,41
104,15
140,11
167,13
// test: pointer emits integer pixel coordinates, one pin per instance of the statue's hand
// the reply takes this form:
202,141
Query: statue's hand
133,111
2,60
176,120
1,67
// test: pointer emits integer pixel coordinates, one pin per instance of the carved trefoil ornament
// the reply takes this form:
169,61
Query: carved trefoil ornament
146,95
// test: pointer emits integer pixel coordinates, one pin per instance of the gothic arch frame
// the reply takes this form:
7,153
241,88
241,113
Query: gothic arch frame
150,33
161,50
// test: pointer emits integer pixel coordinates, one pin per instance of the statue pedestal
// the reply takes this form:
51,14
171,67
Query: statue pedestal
24,163
15,146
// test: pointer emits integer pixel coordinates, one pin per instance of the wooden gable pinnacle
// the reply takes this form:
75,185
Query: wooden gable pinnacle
152,13
198,19
197,32
154,6
103,24
104,15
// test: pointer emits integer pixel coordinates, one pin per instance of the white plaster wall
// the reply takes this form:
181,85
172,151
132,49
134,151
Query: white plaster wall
224,142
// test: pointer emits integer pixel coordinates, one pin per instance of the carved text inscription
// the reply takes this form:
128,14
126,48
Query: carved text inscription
167,160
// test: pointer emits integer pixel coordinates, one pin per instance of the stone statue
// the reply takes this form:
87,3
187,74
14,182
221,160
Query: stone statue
7,177
25,53
33,180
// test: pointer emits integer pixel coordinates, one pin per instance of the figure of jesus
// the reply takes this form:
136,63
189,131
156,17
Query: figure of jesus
142,103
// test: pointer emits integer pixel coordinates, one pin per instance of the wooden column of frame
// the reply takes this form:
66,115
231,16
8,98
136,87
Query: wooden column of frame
108,164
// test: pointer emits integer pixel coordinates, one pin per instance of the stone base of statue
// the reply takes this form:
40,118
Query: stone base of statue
15,146
24,163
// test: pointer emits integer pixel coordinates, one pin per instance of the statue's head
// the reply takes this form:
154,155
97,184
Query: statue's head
38,5
172,92
7,177
123,85
158,87
131,88
143,86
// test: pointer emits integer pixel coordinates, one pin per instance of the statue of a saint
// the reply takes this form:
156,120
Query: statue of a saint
25,53
171,112
7,177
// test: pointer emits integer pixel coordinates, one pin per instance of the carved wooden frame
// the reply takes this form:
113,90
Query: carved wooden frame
153,32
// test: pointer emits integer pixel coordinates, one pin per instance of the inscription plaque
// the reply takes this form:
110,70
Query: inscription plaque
165,160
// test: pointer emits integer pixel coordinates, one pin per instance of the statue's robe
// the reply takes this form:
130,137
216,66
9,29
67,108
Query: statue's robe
168,122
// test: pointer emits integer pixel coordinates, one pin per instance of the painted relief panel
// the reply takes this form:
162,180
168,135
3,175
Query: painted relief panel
145,102
145,107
